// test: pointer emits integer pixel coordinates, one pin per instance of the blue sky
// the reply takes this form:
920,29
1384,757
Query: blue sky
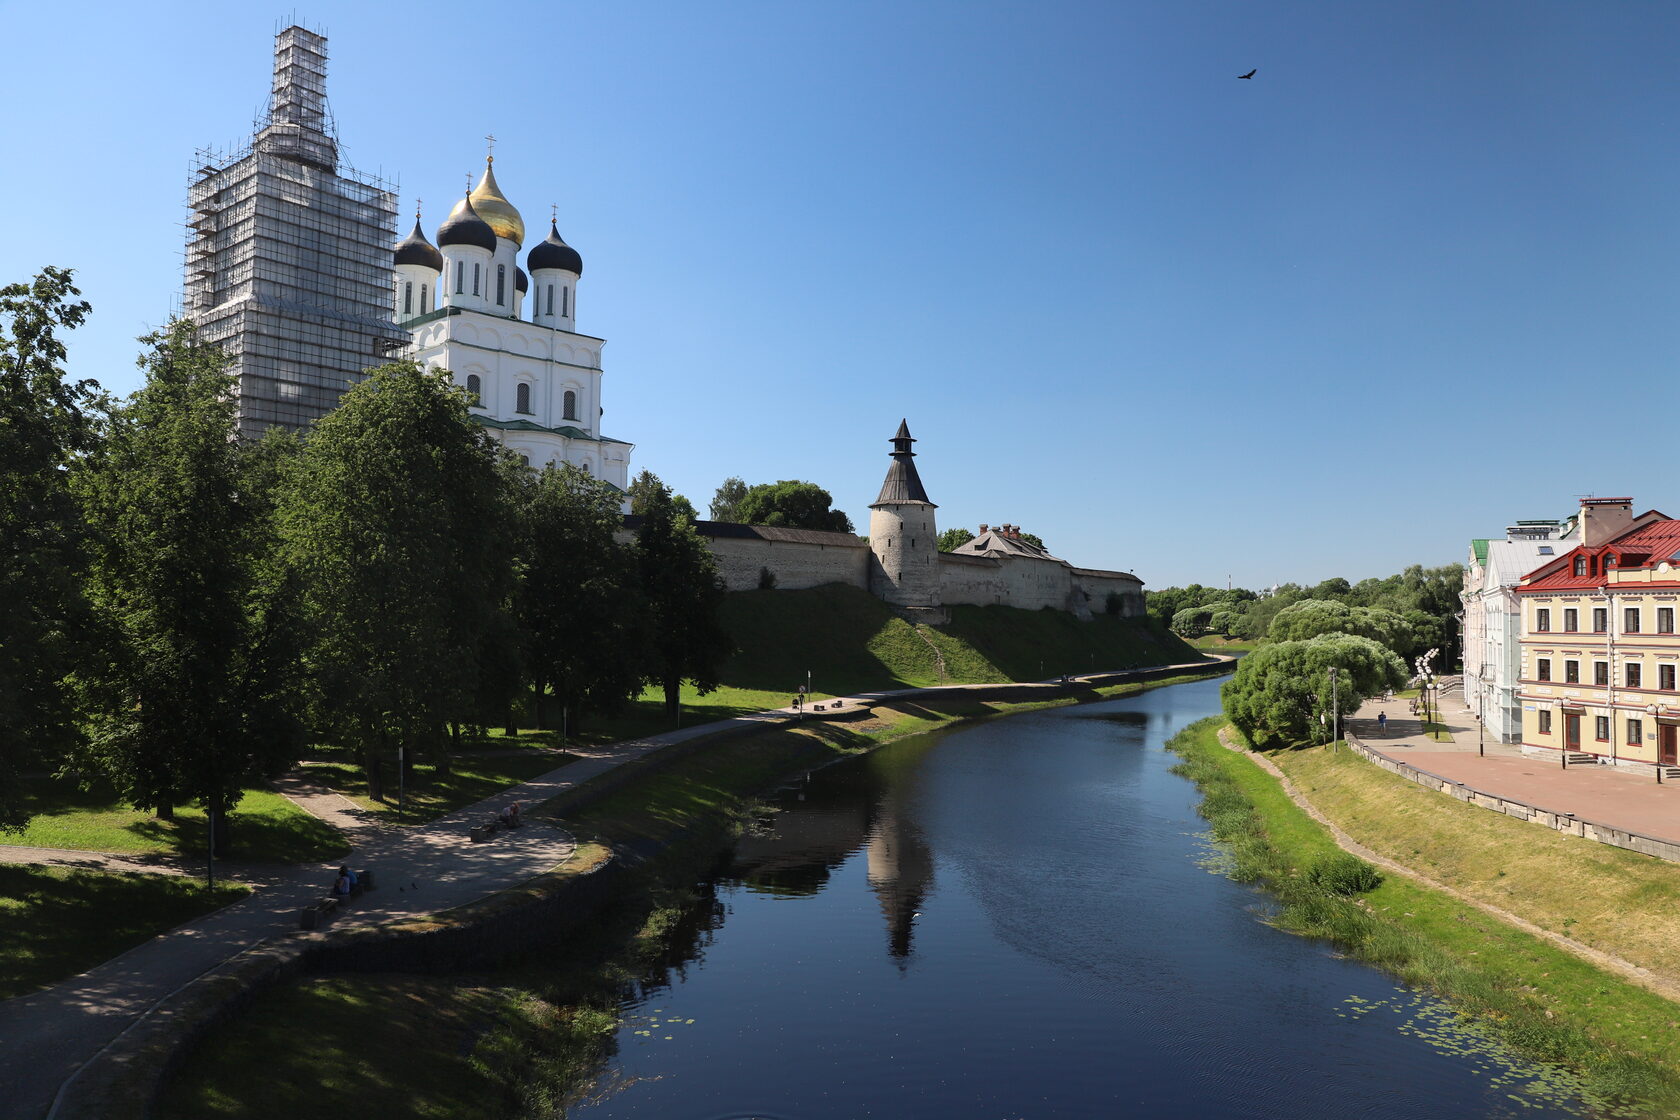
1414,281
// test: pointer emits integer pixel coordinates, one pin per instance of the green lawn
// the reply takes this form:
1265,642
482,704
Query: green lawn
1539,998
57,922
431,794
264,827
352,1046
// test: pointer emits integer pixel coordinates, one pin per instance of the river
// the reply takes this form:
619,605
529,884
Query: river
1021,918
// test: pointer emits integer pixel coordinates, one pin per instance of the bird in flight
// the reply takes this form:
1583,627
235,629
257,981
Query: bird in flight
1250,74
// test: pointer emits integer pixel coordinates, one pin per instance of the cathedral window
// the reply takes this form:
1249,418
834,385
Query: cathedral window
408,297
501,285
524,460
551,299
570,403
522,397
460,274
425,299
565,301
474,387
475,278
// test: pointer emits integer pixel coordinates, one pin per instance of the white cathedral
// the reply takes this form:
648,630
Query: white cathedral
536,381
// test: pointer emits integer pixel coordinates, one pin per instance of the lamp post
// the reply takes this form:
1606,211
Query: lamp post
1335,710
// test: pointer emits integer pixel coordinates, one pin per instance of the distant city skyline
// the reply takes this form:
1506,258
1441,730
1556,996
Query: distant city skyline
1331,321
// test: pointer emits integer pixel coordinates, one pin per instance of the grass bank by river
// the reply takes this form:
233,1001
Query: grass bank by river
532,1037
1533,995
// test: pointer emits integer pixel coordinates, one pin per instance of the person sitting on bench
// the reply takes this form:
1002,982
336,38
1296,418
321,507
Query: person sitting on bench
342,886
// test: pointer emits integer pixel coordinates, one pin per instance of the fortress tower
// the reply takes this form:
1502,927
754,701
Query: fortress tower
903,535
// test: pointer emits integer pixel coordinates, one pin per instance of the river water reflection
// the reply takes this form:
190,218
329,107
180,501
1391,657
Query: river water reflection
1018,919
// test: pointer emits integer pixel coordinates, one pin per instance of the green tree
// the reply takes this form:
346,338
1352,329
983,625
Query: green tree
1312,617
793,505
1191,621
682,591
1035,540
952,539
579,604
46,422
1281,693
647,486
726,503
398,520
198,683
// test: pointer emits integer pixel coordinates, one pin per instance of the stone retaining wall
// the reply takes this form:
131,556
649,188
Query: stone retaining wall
1557,822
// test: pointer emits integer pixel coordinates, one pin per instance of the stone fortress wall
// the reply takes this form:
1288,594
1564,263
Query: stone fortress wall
803,558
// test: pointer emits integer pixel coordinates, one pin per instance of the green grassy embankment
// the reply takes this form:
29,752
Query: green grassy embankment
263,827
431,792
1525,991
532,1038
57,922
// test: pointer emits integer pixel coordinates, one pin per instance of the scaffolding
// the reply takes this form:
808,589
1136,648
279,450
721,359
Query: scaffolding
288,254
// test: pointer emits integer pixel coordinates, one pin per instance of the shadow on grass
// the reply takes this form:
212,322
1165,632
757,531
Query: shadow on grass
56,923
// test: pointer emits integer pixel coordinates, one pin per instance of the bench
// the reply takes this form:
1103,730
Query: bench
310,916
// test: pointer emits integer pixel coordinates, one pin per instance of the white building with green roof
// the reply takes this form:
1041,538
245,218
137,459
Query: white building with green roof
535,380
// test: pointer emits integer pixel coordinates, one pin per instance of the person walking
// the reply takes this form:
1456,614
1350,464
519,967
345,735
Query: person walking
1382,723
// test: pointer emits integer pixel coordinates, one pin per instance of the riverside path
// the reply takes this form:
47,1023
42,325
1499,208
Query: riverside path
48,1037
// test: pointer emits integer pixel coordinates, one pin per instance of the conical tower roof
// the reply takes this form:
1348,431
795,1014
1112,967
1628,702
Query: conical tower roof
902,483
415,249
465,227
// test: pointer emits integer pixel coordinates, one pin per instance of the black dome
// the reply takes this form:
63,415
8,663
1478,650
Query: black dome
520,280
415,249
552,252
465,227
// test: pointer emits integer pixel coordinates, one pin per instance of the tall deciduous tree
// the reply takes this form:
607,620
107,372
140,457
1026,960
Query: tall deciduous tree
1281,693
397,519
45,424
792,504
582,620
952,539
196,692
726,503
647,487
680,585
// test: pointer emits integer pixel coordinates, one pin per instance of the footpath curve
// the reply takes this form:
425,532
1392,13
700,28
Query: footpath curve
1644,977
50,1037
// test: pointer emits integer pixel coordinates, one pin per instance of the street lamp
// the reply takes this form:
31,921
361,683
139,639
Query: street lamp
1335,710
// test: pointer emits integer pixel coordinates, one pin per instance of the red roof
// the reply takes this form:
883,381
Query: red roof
1644,547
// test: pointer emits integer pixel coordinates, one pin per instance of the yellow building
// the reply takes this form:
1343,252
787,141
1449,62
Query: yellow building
1600,654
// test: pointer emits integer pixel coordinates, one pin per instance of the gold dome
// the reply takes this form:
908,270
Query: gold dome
487,199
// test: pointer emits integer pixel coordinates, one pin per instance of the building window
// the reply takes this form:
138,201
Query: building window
474,388
408,297
1609,561
501,285
1635,732
475,278
1543,669
1633,674
1601,673
565,301
1601,728
1542,620
569,404
1665,677
551,299
425,299
1543,721
1665,620
1571,619
1601,619
1571,672
1580,565
586,469
524,460
522,397
460,271
1630,620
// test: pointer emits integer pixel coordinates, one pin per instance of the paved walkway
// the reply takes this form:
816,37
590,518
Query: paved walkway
48,1036
1628,798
